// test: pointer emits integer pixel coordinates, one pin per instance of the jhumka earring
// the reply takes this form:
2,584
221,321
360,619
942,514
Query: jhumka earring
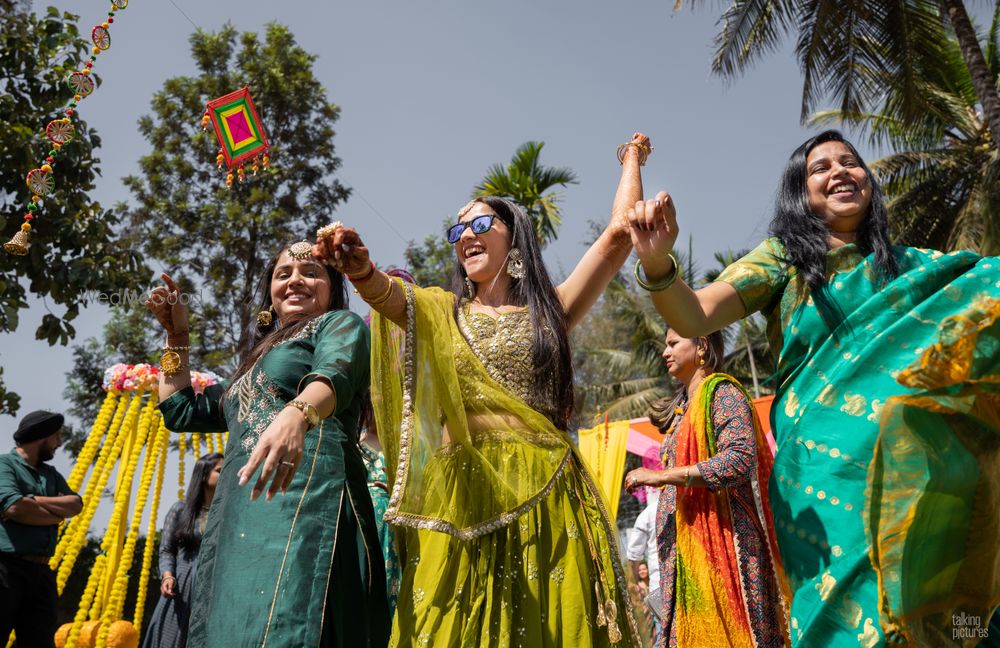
265,317
515,267
701,358
470,289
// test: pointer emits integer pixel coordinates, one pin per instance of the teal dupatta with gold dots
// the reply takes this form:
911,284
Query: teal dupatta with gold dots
886,484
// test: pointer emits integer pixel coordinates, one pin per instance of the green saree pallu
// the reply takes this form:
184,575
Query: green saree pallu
504,537
885,485
304,569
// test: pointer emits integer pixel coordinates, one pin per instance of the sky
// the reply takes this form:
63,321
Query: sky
433,93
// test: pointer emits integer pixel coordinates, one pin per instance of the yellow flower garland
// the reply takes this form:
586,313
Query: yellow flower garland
89,596
86,456
116,601
163,439
182,449
77,536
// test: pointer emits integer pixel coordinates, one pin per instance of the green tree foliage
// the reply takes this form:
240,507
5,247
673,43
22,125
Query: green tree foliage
431,262
217,242
857,49
76,250
618,365
943,183
529,183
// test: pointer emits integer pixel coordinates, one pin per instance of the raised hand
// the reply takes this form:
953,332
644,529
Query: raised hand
344,250
653,228
167,305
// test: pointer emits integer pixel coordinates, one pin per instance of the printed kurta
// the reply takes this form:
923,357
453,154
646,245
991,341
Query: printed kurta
730,474
304,569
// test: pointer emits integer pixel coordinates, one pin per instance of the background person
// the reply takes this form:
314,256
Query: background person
34,500
180,541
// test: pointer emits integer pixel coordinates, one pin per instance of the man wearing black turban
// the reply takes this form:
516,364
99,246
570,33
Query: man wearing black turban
34,500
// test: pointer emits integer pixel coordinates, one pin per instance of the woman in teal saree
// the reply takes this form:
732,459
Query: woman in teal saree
887,476
303,568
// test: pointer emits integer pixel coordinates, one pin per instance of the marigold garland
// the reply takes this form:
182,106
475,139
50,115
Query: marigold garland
93,443
77,534
86,601
163,439
182,449
116,602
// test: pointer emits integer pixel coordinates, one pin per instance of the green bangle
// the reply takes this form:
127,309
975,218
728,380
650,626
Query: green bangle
663,283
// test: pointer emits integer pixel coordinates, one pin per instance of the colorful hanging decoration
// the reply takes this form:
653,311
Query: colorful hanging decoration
240,133
60,132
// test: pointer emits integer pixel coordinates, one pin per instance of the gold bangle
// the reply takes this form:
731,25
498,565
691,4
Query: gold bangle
384,296
687,475
644,152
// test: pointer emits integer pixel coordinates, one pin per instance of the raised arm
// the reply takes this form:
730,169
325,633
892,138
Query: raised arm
344,250
166,304
605,257
653,228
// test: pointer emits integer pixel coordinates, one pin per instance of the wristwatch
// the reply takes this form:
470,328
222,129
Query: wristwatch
308,410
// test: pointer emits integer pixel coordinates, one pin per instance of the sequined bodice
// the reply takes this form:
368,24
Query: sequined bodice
503,345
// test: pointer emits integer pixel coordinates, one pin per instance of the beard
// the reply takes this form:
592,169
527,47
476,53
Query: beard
46,454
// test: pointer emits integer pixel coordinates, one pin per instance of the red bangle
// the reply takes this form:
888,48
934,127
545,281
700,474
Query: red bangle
367,275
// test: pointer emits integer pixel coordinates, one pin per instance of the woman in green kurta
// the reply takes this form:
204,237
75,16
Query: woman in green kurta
303,568
884,488
505,540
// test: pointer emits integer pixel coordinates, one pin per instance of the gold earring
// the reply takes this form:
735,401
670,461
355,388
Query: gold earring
265,317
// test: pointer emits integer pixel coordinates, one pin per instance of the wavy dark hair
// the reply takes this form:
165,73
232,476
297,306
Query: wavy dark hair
186,533
257,340
662,412
550,353
804,234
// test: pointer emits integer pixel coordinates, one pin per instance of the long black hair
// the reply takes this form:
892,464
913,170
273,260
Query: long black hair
550,346
663,413
804,234
258,339
186,532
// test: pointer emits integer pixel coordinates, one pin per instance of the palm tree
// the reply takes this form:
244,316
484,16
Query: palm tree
854,49
525,181
943,184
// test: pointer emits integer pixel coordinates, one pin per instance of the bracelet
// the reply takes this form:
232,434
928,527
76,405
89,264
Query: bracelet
663,283
687,475
309,411
384,297
163,580
644,152
365,277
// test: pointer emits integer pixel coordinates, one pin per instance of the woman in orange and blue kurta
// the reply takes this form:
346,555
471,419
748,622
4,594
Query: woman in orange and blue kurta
887,411
720,580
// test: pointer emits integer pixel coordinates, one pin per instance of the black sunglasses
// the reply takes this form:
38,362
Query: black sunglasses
479,225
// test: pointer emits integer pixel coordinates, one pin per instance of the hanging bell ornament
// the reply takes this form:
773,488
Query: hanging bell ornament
19,243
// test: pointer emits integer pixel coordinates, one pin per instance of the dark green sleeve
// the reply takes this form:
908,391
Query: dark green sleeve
760,277
10,490
185,411
341,356
62,488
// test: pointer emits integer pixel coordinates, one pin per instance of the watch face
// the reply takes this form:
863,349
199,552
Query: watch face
170,362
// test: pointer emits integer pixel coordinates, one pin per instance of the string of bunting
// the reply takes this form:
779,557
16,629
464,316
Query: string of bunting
60,131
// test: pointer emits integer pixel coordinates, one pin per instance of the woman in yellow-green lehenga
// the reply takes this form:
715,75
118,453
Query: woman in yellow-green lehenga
885,483
505,540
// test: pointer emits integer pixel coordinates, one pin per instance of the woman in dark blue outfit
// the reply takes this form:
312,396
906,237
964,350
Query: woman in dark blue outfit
179,544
